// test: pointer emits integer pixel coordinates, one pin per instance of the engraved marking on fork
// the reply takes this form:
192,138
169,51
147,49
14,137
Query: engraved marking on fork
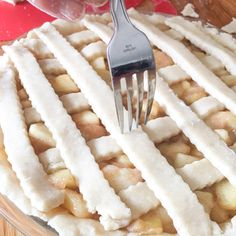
129,48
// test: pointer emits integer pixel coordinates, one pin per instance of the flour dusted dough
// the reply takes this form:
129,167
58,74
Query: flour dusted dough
189,11
231,27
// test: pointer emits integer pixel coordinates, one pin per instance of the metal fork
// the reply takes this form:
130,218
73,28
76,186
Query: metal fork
130,59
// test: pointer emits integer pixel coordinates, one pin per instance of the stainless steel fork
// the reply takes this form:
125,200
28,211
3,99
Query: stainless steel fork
130,59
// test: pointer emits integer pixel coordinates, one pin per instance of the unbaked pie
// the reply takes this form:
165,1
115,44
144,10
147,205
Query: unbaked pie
64,159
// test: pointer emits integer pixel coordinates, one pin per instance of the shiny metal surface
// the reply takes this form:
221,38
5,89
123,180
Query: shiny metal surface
129,55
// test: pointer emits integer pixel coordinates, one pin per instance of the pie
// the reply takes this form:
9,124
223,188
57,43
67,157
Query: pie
64,160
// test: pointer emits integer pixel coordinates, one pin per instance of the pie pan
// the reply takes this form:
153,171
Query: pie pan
213,64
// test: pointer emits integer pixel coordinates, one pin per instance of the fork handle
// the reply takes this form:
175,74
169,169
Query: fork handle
119,14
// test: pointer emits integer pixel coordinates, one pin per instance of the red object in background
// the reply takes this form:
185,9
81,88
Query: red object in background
16,20
164,6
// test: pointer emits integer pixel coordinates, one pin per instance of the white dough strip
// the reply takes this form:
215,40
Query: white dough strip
10,187
140,150
68,27
172,74
88,39
174,34
188,62
206,106
36,46
83,37
204,42
103,31
229,227
68,225
139,198
43,195
230,27
200,174
74,151
207,142
204,138
94,50
105,148
73,103
51,66
227,40
202,107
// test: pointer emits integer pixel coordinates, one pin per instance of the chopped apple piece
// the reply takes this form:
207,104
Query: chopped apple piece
86,118
195,152
193,93
180,87
41,137
206,199
222,120
182,159
51,160
22,94
63,179
219,214
92,131
170,150
75,203
224,135
105,75
122,161
26,104
149,224
226,195
99,63
167,222
230,80
162,59
121,178
63,84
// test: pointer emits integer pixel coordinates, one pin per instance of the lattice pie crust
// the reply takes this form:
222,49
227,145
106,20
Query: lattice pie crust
64,160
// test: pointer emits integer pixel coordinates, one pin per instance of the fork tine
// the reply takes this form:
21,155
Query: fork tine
129,52
129,89
119,103
150,93
140,91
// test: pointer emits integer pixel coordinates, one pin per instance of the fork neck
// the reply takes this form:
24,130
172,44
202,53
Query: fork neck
119,13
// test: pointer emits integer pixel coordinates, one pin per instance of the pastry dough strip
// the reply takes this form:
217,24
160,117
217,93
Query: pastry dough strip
74,151
204,42
188,62
140,150
42,194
